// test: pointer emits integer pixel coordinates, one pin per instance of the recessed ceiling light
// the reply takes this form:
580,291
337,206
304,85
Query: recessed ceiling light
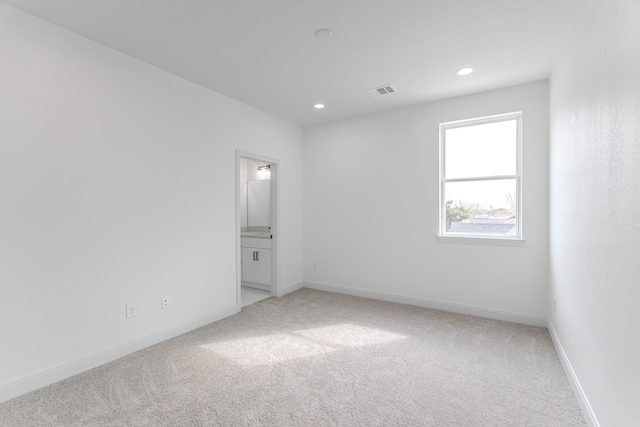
464,71
324,34
319,106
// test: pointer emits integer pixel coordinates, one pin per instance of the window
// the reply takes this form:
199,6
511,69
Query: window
480,177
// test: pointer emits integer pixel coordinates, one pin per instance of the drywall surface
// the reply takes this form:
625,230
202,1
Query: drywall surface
371,209
117,186
595,208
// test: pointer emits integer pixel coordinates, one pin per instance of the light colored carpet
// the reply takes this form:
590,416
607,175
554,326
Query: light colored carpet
315,358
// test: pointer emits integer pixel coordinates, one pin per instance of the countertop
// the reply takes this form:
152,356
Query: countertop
256,234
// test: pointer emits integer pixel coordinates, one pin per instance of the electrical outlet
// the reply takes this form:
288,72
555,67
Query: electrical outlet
555,307
131,311
164,302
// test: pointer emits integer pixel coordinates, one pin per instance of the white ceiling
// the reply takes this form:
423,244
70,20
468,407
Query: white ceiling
264,53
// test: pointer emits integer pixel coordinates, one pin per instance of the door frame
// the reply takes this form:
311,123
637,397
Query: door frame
275,221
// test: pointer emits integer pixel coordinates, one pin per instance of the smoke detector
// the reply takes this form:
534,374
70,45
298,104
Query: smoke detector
382,90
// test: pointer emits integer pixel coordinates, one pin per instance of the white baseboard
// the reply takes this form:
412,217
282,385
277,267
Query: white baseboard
290,288
491,313
578,391
73,367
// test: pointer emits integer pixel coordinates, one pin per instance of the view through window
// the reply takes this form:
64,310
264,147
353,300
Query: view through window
480,177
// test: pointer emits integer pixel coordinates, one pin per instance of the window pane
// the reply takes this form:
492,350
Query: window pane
481,207
481,150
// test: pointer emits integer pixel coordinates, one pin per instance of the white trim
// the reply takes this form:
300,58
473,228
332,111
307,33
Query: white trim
499,241
84,363
238,235
481,120
284,290
578,391
483,178
491,313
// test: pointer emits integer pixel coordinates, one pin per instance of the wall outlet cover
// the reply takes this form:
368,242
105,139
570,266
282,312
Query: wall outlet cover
130,311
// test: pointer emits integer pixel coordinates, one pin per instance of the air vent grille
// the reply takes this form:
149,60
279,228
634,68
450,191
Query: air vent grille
382,90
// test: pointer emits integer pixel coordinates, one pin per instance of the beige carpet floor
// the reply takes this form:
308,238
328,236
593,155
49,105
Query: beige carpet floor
321,359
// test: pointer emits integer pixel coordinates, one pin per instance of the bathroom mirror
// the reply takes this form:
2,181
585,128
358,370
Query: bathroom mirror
258,203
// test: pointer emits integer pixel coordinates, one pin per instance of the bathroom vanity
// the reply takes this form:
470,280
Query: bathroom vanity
256,260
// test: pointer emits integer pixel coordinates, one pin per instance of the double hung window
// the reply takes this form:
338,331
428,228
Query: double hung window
480,177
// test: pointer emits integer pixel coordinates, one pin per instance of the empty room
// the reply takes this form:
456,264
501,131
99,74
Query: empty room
319,212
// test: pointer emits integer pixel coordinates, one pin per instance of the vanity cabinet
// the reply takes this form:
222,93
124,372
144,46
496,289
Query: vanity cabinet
256,262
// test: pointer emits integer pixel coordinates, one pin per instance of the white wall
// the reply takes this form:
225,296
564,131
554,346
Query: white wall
371,211
595,209
117,186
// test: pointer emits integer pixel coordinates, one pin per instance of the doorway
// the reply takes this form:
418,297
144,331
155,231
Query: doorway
256,228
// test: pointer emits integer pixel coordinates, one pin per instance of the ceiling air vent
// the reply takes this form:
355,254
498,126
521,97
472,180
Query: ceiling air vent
382,90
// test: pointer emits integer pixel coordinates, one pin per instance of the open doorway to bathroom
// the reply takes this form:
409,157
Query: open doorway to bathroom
256,207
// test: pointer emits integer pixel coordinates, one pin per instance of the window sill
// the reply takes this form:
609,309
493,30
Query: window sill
499,241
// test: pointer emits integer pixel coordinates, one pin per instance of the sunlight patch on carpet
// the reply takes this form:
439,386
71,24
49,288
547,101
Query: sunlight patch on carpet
277,348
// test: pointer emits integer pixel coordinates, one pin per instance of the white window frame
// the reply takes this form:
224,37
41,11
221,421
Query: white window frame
446,236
